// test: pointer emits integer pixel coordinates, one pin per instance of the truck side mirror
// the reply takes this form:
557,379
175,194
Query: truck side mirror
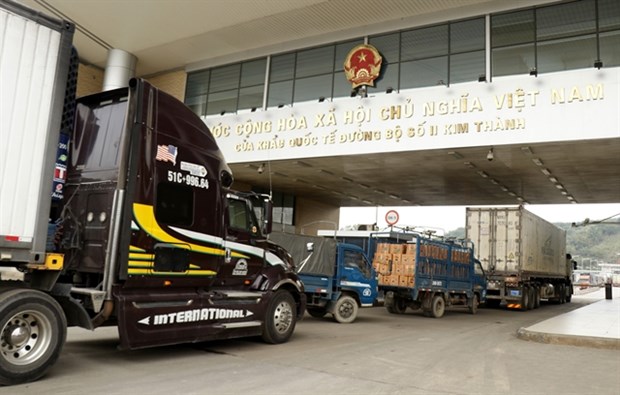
310,247
267,216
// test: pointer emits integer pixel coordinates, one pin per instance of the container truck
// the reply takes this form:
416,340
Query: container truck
132,224
422,271
523,255
338,277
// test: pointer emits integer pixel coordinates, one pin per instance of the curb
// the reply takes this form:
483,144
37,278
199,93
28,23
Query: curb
571,340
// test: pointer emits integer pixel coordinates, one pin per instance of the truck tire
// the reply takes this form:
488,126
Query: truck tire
280,318
532,298
398,305
569,293
316,312
536,297
473,306
345,310
33,330
438,306
525,298
562,292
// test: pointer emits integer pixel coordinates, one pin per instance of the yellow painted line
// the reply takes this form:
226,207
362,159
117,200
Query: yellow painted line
151,272
136,249
143,257
146,220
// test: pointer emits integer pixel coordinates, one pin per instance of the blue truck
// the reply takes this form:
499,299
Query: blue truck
421,271
338,277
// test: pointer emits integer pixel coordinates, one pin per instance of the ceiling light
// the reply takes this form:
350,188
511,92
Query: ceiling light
455,155
559,186
546,172
526,151
347,179
469,164
512,194
483,174
537,162
553,179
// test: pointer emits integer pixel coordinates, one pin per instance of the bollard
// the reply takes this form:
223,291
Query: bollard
608,290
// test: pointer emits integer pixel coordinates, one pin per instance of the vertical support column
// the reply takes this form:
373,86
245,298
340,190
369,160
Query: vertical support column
120,68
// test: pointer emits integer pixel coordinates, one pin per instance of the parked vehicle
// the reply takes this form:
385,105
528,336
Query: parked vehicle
338,277
148,235
422,272
523,255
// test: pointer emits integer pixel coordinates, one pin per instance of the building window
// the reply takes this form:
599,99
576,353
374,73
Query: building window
227,89
560,37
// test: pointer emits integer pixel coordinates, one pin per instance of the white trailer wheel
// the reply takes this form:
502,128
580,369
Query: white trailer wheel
33,329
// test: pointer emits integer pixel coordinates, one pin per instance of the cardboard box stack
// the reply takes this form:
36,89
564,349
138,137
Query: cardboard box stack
395,264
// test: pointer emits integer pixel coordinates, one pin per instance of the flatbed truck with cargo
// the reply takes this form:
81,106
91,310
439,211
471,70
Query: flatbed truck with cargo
420,271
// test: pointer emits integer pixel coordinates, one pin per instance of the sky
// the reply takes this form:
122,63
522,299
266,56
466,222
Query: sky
448,218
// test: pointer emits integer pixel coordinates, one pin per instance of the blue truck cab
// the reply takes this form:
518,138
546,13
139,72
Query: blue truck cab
338,277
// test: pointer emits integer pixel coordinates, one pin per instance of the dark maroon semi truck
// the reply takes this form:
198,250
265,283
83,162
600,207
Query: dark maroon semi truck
147,236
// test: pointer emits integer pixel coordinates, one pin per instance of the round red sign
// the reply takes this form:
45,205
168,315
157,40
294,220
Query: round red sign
391,217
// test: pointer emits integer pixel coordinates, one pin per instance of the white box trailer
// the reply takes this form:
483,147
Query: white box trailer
523,255
35,54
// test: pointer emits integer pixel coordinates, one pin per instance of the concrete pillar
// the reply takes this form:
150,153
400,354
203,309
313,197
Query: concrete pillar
120,68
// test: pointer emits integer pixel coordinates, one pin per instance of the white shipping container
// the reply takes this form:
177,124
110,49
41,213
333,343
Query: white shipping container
34,61
512,240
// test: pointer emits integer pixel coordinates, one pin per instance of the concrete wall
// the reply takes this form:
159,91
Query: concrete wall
90,80
172,82
308,212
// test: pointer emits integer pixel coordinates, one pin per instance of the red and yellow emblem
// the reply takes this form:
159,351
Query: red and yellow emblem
362,65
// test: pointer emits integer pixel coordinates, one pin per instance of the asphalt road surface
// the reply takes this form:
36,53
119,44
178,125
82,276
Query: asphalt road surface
380,353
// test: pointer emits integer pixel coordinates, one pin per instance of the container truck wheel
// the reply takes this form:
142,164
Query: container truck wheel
317,312
33,329
345,310
525,298
280,318
569,292
532,298
536,297
438,306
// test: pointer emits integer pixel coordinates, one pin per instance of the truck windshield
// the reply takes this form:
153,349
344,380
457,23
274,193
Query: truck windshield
356,260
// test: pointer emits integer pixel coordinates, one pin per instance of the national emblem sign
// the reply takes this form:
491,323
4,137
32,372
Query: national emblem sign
362,65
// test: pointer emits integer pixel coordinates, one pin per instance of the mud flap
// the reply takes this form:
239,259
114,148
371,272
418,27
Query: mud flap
147,318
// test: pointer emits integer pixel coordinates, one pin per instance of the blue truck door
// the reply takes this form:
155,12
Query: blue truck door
357,274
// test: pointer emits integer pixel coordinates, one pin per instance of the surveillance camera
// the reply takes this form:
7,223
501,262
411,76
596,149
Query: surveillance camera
490,155
261,168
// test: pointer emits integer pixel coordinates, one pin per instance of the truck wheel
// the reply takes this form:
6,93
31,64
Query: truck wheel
536,297
562,292
317,312
33,329
398,305
532,298
438,306
280,318
569,293
345,310
525,298
473,307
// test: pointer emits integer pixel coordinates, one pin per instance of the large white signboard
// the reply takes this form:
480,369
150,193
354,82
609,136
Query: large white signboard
572,105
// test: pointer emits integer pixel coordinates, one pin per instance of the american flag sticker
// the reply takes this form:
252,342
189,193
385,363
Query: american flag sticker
167,153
